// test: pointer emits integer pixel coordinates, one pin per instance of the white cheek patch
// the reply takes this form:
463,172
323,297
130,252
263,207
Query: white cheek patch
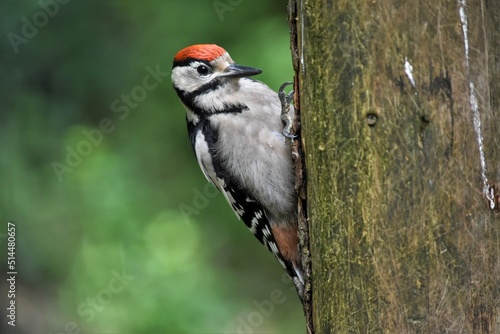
187,79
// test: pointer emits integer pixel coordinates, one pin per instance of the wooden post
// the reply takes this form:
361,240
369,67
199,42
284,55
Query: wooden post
400,126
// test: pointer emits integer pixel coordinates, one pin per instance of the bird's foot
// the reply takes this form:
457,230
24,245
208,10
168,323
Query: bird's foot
287,110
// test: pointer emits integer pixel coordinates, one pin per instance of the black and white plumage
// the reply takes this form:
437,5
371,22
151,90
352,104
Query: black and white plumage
235,128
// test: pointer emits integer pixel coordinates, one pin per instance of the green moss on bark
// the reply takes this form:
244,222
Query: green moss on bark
401,237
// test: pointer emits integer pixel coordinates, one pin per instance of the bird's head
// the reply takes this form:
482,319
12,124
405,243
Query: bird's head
205,66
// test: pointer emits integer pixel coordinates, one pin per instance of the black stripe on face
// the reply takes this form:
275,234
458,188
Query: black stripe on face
188,101
214,84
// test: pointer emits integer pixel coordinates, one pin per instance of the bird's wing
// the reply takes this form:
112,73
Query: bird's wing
244,205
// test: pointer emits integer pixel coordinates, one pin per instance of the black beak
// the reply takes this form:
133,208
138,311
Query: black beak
239,71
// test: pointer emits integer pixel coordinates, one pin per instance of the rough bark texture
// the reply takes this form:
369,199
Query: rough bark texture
300,179
403,237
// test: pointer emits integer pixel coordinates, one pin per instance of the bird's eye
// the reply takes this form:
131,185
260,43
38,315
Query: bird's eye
203,70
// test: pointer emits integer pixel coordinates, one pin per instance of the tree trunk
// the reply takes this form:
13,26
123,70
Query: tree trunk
400,126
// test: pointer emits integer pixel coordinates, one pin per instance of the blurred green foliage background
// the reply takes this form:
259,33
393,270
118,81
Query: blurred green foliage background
117,230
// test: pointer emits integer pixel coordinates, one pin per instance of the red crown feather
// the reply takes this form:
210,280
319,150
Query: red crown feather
206,52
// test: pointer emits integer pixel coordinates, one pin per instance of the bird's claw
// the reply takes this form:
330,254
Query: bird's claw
286,109
284,97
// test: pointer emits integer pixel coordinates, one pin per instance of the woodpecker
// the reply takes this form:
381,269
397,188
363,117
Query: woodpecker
235,126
